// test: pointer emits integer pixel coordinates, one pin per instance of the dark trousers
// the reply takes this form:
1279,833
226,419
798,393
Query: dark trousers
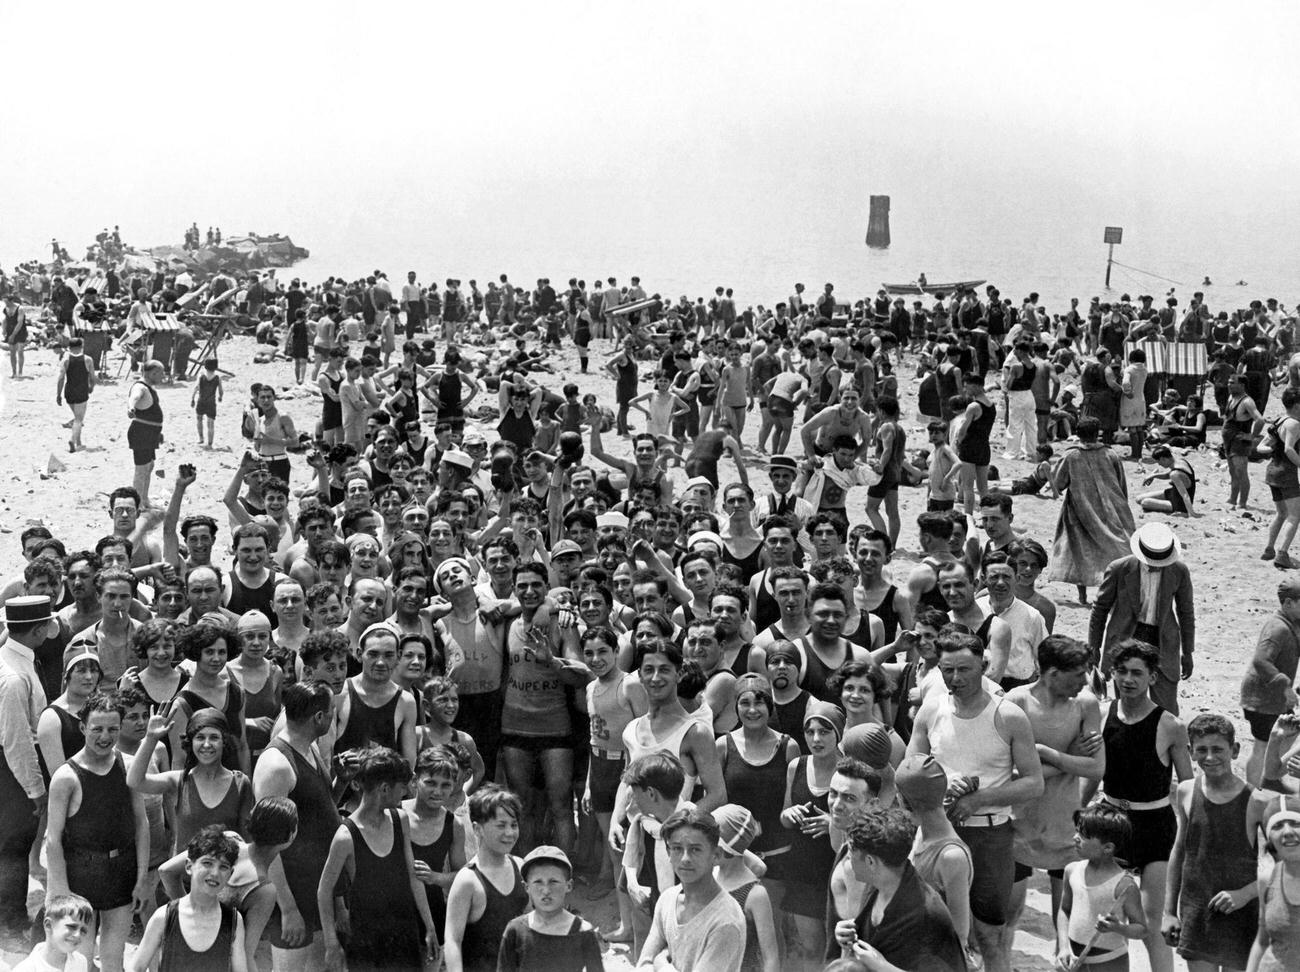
17,834
1164,691
480,716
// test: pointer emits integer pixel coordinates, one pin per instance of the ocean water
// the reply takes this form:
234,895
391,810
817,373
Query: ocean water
1023,232
1025,246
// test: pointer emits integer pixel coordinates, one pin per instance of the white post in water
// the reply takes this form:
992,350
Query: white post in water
1114,234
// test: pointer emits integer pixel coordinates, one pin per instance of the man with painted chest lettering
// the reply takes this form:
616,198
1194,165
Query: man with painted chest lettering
536,728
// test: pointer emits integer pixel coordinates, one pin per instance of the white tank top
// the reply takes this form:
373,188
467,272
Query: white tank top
640,741
1090,903
610,713
972,747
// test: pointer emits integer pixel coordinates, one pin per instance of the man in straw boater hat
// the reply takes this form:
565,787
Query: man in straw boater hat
1148,596
22,790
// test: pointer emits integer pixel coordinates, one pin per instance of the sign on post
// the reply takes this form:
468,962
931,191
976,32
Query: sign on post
1114,234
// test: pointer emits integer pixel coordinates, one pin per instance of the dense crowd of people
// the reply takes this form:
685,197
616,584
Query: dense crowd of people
410,688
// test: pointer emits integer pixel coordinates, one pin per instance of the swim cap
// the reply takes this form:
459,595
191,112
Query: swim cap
737,828
825,712
753,682
253,621
922,781
870,743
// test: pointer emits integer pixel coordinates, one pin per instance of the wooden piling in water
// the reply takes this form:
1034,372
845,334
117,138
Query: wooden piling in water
878,224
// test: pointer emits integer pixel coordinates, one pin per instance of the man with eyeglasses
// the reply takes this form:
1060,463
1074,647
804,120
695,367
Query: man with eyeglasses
420,485
124,505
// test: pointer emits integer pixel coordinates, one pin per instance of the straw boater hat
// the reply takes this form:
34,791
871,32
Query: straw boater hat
1156,545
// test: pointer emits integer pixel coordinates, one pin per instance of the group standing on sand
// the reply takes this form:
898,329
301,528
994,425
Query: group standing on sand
460,656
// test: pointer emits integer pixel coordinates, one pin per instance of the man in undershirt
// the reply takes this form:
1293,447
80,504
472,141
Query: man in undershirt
1026,624
374,708
779,546
667,726
973,734
790,585
824,648
703,646
729,607
252,584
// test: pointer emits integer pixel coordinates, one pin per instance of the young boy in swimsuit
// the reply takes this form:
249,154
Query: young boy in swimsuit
176,932
385,895
478,910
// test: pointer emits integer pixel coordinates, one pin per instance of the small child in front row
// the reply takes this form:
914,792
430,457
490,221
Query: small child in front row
1101,907
1212,902
442,701
550,936
201,915
437,837
68,918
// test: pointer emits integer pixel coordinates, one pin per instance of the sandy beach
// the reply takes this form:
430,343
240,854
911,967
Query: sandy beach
1234,588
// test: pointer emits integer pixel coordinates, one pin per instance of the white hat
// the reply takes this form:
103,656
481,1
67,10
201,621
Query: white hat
1156,545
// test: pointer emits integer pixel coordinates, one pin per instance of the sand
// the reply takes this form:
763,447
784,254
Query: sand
1234,589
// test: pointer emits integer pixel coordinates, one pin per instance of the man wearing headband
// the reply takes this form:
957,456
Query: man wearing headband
475,658
374,708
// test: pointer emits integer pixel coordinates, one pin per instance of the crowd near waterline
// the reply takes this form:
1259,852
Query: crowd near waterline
468,653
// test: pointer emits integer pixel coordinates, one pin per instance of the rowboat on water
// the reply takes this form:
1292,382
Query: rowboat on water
931,288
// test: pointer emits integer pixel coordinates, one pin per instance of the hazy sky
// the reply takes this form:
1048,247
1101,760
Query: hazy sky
574,119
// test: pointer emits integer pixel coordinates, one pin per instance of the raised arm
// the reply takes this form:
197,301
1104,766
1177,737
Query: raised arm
170,539
138,776
231,499
597,449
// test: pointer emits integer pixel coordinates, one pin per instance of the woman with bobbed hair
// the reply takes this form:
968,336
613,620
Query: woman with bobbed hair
209,645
